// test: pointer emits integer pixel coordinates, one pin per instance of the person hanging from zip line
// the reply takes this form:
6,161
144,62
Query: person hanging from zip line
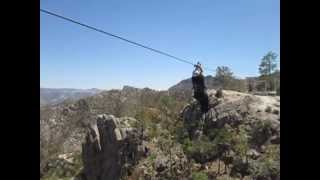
199,87
197,80
198,70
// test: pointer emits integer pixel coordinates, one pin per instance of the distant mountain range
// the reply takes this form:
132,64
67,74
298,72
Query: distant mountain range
210,81
52,96
58,95
181,90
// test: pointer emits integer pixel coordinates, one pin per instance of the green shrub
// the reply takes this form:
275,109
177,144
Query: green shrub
241,142
268,166
223,135
199,176
152,157
65,171
262,131
180,132
202,150
153,131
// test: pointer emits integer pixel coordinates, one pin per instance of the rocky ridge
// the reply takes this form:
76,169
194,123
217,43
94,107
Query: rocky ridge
118,148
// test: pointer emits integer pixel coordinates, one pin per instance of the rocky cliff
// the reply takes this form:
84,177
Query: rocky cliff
112,147
240,131
233,109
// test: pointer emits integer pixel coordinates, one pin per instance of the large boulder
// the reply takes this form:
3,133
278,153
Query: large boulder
111,148
233,109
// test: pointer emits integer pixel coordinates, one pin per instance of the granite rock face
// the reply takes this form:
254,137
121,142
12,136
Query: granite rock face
111,148
234,109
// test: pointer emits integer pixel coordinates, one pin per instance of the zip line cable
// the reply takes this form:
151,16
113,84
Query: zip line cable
121,38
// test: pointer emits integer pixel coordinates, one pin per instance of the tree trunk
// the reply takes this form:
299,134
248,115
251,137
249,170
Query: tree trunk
225,169
170,162
219,166
246,159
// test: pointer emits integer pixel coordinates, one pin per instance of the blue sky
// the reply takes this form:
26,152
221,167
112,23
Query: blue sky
215,32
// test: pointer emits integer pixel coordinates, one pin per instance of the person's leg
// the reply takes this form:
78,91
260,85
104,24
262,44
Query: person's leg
196,87
193,81
201,82
201,102
206,102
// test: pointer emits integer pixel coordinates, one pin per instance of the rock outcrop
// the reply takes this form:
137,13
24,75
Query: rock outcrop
111,148
63,126
116,148
248,124
234,109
